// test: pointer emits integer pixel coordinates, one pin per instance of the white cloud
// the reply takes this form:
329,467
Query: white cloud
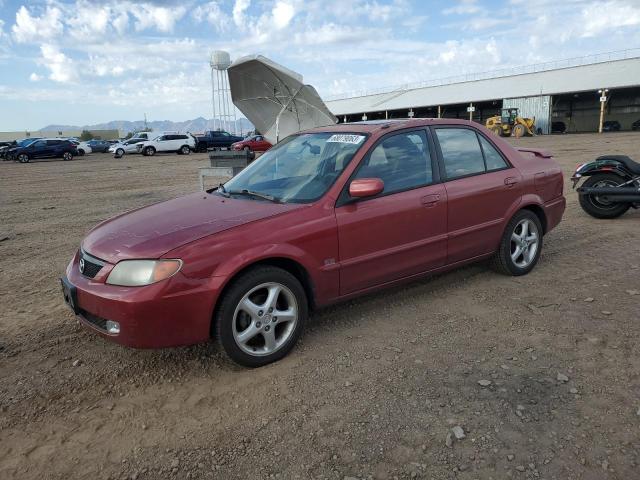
34,77
464,7
29,28
602,18
239,9
162,18
213,14
61,67
282,13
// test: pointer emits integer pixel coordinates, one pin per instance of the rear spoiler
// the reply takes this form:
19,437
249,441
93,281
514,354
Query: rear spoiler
538,152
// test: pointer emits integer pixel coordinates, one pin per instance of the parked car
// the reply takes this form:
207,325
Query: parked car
127,146
611,126
82,147
179,142
254,143
216,139
636,125
323,216
43,148
101,146
558,127
6,152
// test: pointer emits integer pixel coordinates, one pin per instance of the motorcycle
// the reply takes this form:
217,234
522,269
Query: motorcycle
612,186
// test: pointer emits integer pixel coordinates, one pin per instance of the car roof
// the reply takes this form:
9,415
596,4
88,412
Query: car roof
374,126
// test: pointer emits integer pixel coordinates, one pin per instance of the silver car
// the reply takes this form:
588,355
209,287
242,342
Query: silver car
128,146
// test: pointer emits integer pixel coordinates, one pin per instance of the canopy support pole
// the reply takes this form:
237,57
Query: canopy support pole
284,107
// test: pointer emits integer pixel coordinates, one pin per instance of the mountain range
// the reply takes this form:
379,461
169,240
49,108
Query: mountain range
196,125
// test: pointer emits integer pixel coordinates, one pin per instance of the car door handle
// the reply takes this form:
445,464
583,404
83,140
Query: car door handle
430,200
510,181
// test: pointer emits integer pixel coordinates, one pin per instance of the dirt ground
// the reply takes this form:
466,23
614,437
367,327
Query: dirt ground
375,386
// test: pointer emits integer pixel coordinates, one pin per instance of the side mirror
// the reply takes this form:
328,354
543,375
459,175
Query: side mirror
366,187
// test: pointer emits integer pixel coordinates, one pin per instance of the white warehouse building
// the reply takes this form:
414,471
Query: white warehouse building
565,91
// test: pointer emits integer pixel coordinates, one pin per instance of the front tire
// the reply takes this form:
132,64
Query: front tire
120,152
66,156
80,152
597,207
23,158
149,151
261,316
520,245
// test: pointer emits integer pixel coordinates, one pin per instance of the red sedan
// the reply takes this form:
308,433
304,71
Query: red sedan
255,143
325,215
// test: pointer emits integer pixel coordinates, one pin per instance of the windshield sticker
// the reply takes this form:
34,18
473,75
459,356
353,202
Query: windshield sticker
342,138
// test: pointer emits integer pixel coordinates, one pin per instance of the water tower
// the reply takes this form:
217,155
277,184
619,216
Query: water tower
224,112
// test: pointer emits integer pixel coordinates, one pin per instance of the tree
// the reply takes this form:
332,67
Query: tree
86,135
128,135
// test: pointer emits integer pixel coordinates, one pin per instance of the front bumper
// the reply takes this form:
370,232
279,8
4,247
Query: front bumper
177,311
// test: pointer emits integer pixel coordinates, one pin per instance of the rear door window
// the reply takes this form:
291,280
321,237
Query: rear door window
461,152
492,157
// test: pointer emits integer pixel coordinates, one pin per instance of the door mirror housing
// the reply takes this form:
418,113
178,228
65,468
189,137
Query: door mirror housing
366,187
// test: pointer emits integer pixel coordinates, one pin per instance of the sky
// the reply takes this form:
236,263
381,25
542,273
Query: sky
90,61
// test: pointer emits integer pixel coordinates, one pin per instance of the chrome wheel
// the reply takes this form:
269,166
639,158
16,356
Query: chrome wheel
525,239
265,319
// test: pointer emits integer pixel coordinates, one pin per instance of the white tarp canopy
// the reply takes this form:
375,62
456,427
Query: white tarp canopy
274,99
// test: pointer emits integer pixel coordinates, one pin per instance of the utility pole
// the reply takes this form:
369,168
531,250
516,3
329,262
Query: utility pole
439,112
603,100
471,109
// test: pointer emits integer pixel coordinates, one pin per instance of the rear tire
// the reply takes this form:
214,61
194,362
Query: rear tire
246,321
80,152
185,150
598,208
149,151
520,245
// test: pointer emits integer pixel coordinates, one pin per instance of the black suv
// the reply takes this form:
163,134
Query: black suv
635,125
611,126
43,148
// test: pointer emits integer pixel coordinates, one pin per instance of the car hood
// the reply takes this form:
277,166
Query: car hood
152,231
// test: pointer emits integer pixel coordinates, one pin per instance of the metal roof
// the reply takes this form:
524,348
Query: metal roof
611,74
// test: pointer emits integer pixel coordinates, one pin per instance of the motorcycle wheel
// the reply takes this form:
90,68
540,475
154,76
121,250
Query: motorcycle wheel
600,208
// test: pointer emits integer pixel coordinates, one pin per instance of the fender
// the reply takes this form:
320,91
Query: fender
604,164
228,269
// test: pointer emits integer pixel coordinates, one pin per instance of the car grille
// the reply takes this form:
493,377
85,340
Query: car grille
91,265
95,320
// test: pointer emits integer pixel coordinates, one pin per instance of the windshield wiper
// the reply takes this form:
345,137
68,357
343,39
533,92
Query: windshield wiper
222,190
250,193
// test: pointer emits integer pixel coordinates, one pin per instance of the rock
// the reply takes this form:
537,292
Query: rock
350,478
175,463
638,412
348,384
588,299
633,292
449,440
458,432
606,312
76,363
562,377
484,383
573,390
510,457
4,238
520,468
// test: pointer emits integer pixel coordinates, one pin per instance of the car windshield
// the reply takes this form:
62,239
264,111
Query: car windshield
26,142
300,169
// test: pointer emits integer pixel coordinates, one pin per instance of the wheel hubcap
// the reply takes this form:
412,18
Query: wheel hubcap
265,319
524,243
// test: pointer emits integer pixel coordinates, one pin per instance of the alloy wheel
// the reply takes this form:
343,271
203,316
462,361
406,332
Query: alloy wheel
525,239
265,319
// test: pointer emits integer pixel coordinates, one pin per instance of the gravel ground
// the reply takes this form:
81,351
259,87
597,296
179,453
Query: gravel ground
469,374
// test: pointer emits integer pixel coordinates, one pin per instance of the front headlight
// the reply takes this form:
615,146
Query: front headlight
136,273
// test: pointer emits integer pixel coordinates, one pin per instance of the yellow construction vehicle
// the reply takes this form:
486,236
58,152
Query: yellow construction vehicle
510,123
